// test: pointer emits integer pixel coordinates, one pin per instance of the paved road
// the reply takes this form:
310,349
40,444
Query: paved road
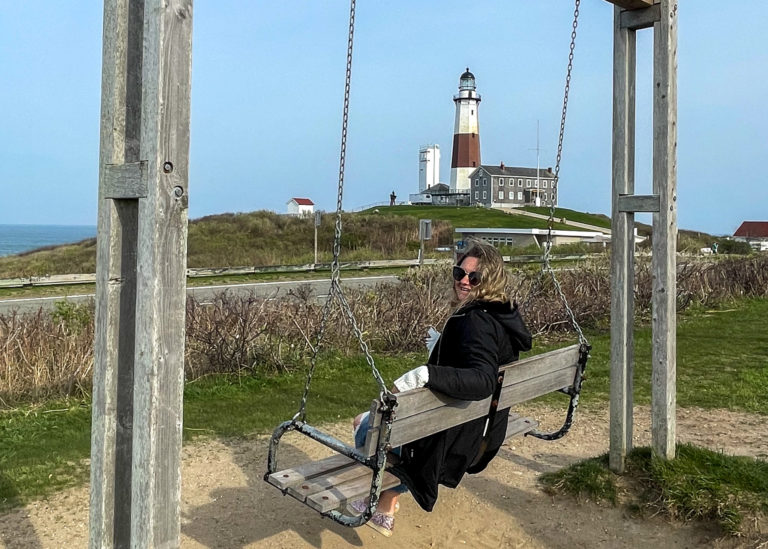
205,293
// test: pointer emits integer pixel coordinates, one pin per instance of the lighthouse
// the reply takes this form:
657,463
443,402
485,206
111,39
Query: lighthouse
466,136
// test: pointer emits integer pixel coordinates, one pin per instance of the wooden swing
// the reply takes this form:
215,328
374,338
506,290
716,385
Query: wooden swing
351,474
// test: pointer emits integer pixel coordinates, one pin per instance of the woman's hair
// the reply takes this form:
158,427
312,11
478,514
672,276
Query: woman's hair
494,278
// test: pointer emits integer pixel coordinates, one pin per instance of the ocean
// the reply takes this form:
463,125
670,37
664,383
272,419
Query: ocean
15,239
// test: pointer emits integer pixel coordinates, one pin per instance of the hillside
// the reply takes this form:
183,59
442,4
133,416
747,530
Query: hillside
265,238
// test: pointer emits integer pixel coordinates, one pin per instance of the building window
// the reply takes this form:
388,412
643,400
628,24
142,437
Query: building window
528,183
477,182
544,196
485,195
501,195
485,182
536,184
477,195
501,182
519,195
511,195
545,183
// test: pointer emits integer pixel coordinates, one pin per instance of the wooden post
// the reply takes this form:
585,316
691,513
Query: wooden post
622,244
141,265
425,233
663,397
318,220
662,16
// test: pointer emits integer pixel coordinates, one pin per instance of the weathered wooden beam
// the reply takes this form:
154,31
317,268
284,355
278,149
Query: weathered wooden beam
622,243
640,18
632,4
638,203
139,341
112,407
161,259
126,181
664,247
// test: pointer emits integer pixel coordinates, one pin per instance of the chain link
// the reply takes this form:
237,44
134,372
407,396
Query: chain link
336,292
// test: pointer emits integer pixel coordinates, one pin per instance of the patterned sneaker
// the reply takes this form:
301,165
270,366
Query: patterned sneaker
383,524
357,507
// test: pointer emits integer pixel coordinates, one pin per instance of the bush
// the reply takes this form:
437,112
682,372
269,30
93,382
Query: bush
51,355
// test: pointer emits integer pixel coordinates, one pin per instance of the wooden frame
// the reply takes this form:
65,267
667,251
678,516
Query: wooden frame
662,16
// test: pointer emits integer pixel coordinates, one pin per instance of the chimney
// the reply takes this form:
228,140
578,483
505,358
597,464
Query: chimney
549,169
501,165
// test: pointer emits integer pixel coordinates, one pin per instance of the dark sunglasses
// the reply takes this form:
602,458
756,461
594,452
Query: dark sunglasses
459,274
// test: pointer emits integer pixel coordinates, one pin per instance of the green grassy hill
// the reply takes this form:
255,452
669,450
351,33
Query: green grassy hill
264,238
468,216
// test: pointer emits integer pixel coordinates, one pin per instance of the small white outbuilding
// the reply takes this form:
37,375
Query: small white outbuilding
300,206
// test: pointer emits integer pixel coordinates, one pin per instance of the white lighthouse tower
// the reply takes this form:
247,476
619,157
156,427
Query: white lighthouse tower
466,135
429,166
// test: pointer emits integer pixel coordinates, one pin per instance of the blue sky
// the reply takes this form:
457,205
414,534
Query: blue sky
267,94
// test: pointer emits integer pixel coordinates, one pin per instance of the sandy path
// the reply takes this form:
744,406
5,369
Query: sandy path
227,505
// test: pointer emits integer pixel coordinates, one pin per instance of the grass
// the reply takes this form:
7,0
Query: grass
722,358
466,217
722,362
598,220
44,449
698,484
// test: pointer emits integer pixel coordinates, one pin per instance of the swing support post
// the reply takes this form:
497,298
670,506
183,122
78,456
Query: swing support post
662,17
141,274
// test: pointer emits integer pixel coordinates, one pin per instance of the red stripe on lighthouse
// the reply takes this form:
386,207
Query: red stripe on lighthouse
466,151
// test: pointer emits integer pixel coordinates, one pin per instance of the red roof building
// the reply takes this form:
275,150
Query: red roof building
754,232
300,206
303,201
752,229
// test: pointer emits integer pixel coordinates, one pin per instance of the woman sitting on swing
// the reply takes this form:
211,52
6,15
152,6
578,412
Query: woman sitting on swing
484,332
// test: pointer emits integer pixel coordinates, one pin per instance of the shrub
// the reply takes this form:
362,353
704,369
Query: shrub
51,355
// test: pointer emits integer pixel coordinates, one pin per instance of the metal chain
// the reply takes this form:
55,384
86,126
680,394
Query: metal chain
335,290
547,267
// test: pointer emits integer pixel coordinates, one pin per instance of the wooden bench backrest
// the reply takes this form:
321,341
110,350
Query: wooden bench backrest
421,412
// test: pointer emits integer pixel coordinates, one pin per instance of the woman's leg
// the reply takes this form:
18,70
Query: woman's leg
388,498
388,502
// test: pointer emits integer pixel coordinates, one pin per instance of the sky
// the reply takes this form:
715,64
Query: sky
267,96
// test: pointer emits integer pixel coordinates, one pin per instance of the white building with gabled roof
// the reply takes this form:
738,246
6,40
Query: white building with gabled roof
300,206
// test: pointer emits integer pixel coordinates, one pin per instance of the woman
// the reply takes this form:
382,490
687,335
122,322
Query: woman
485,331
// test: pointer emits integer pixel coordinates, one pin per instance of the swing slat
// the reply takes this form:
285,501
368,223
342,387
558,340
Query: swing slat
354,489
303,490
289,477
518,425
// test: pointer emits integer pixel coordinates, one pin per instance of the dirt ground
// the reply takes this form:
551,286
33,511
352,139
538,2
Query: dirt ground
226,504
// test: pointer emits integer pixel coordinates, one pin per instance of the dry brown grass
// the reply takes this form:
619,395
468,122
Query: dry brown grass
45,356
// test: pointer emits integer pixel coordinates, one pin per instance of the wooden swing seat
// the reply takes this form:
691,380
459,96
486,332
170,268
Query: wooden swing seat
329,483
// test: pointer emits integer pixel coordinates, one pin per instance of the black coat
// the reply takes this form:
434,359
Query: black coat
464,364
